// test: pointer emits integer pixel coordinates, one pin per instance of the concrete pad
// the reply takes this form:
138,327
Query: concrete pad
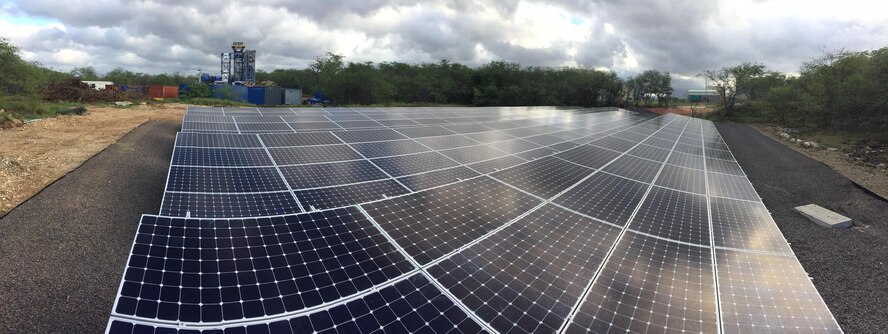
824,217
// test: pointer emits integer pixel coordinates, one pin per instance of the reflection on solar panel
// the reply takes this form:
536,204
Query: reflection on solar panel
459,220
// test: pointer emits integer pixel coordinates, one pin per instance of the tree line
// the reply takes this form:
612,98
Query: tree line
841,90
498,83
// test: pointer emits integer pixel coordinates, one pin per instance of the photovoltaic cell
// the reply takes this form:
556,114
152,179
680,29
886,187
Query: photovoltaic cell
730,186
432,223
314,126
472,154
613,143
684,179
214,270
514,145
389,148
228,205
425,131
414,163
527,277
437,178
218,157
651,286
312,154
589,156
763,293
723,166
446,142
686,160
299,139
514,263
673,215
216,140
634,168
745,225
329,174
650,152
606,197
536,153
224,180
544,177
352,194
490,166
357,136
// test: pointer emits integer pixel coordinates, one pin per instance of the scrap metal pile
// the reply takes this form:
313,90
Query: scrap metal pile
77,91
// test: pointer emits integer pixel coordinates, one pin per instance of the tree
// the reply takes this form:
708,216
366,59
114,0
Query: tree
325,69
652,84
86,73
733,82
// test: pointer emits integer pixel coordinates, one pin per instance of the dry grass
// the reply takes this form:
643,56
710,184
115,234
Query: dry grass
37,154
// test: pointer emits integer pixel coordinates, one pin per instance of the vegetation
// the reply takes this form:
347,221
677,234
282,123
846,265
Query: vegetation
498,83
839,91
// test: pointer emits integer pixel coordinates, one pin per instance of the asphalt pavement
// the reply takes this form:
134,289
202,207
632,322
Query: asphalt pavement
62,252
848,266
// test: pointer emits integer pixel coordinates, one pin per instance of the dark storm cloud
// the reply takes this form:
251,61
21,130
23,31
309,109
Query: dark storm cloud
680,36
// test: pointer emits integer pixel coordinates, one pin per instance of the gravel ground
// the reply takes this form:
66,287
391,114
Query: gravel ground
63,251
848,266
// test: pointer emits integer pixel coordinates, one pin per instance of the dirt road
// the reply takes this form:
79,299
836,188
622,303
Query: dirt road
37,154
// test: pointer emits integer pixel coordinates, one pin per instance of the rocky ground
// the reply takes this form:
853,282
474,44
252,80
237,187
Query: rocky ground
864,163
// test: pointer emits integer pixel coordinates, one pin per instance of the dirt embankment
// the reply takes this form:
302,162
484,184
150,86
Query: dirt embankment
844,161
38,153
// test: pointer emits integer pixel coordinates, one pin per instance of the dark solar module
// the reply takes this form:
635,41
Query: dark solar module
217,157
358,136
472,154
527,277
437,178
493,165
228,205
224,180
217,140
651,286
544,177
745,225
389,148
414,163
589,156
606,197
673,215
769,293
432,223
446,142
299,139
339,196
329,174
730,186
214,270
312,154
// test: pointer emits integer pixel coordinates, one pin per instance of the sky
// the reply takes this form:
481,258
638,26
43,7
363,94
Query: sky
683,37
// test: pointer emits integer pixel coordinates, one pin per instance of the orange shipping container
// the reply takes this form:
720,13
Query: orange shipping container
163,92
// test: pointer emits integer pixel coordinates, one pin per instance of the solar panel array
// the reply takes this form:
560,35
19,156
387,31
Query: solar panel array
459,220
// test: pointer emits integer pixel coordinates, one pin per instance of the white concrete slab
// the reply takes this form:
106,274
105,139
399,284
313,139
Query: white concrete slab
824,217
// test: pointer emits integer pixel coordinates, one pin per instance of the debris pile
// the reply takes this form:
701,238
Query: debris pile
75,90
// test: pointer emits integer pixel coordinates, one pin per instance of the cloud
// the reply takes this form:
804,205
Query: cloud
684,37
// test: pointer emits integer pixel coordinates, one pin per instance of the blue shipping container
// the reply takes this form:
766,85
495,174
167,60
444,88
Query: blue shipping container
256,95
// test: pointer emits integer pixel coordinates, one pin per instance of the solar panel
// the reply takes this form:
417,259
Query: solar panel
459,220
